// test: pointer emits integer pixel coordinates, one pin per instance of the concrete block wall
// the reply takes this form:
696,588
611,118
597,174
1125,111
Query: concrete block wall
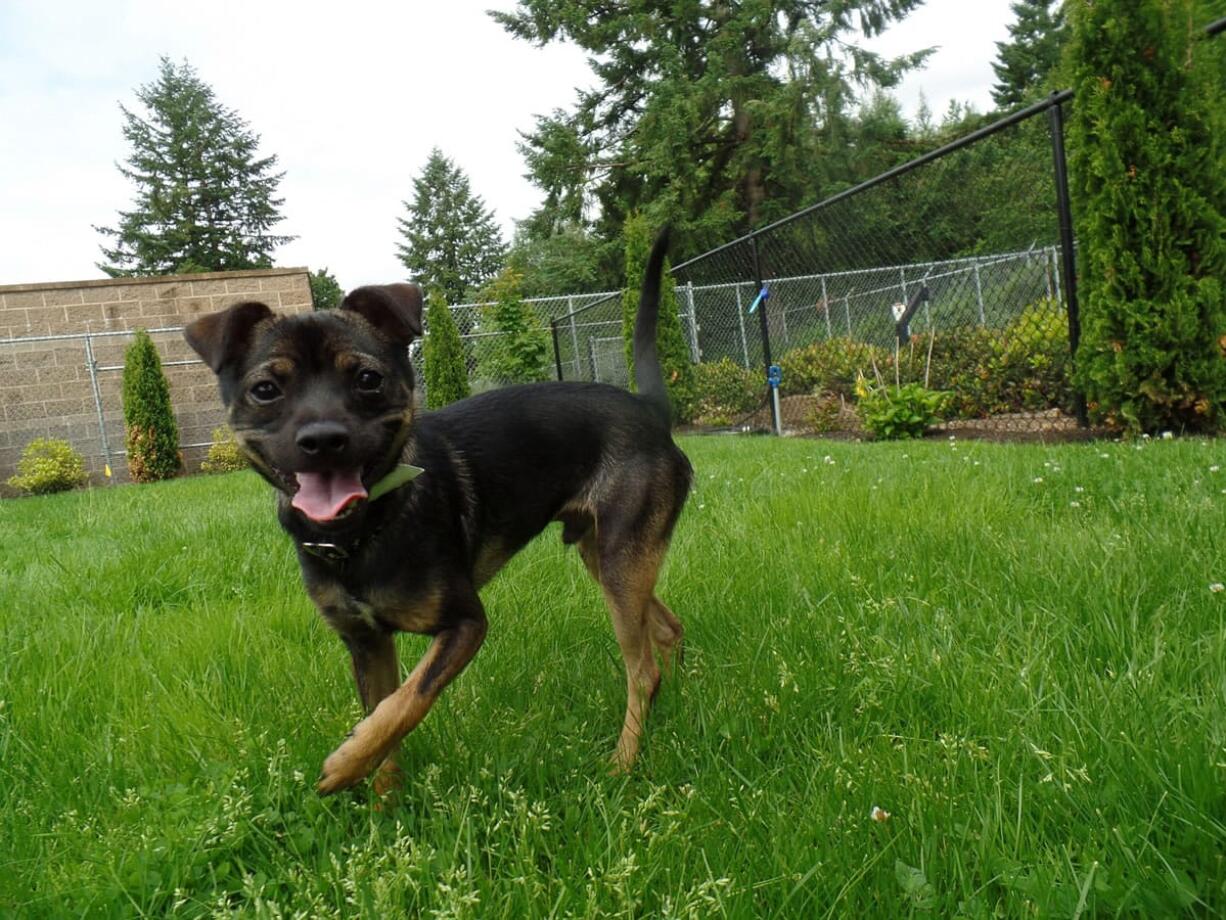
46,389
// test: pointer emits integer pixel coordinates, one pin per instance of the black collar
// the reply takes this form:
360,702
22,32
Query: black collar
339,554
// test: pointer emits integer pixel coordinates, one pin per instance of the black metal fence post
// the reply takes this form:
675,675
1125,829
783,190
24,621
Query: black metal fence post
1068,256
776,422
557,352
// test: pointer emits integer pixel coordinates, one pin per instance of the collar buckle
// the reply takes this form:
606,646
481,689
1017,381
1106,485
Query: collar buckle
328,552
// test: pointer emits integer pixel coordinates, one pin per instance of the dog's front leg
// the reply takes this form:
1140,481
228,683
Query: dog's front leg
395,716
376,673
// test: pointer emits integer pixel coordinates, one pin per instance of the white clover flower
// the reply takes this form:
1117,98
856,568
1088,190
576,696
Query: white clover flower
1037,480
1217,587
1074,504
1168,435
1214,468
1078,489
879,814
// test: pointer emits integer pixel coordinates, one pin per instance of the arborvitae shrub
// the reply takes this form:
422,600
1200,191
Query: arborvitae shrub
520,352
671,344
443,365
1149,172
152,433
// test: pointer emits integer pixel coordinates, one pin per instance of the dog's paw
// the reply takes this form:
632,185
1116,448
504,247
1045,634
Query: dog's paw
353,761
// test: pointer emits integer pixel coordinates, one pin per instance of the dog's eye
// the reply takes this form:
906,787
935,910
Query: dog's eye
265,391
369,381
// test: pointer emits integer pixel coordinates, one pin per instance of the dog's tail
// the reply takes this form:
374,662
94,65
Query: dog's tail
648,377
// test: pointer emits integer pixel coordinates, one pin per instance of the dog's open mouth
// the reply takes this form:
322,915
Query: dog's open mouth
326,497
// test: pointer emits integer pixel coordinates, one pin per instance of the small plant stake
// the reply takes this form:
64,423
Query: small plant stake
774,377
763,295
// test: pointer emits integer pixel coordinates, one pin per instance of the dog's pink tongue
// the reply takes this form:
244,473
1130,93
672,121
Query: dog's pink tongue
322,496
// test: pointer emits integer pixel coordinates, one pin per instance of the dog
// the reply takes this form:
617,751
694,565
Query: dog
400,518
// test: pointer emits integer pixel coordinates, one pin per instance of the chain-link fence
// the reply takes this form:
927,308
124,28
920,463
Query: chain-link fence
948,271
507,343
69,387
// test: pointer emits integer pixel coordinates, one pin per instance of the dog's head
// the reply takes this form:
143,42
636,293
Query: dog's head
321,403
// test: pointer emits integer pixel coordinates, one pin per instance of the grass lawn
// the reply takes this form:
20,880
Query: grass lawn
1014,650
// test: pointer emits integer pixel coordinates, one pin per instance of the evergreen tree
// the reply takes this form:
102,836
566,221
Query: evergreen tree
671,344
569,261
152,435
1149,170
326,291
519,351
451,239
204,200
443,365
1036,41
712,112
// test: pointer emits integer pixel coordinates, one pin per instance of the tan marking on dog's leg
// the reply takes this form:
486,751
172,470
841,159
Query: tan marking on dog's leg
589,554
667,635
376,672
398,714
628,584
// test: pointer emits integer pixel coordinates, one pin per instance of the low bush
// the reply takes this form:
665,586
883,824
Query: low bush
224,454
48,465
829,413
724,391
1024,367
832,365
895,412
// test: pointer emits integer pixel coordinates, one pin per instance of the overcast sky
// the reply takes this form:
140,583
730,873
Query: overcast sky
350,96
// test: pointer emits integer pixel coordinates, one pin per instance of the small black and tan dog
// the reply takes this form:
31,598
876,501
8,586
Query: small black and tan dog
400,520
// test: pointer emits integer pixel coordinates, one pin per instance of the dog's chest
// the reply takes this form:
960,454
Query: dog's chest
418,611
344,612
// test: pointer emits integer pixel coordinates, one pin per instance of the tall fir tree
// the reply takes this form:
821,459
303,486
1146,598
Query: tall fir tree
709,113
671,345
443,363
1148,162
451,240
1024,62
205,201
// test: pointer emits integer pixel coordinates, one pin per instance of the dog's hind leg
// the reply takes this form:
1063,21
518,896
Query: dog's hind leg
627,579
624,559
667,635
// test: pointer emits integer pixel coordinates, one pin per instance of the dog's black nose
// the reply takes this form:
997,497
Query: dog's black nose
326,438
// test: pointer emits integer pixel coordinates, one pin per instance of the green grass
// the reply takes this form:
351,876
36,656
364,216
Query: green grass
1030,676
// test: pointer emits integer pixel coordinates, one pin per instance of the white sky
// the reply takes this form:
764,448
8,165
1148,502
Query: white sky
350,96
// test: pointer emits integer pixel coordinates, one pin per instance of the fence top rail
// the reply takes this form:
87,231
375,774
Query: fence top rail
893,286
553,298
67,336
984,261
965,141
613,295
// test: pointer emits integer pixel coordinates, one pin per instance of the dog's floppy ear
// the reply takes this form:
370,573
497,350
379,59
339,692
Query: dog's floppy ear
393,309
220,338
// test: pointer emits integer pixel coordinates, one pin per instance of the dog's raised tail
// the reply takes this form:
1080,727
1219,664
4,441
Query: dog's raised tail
648,376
